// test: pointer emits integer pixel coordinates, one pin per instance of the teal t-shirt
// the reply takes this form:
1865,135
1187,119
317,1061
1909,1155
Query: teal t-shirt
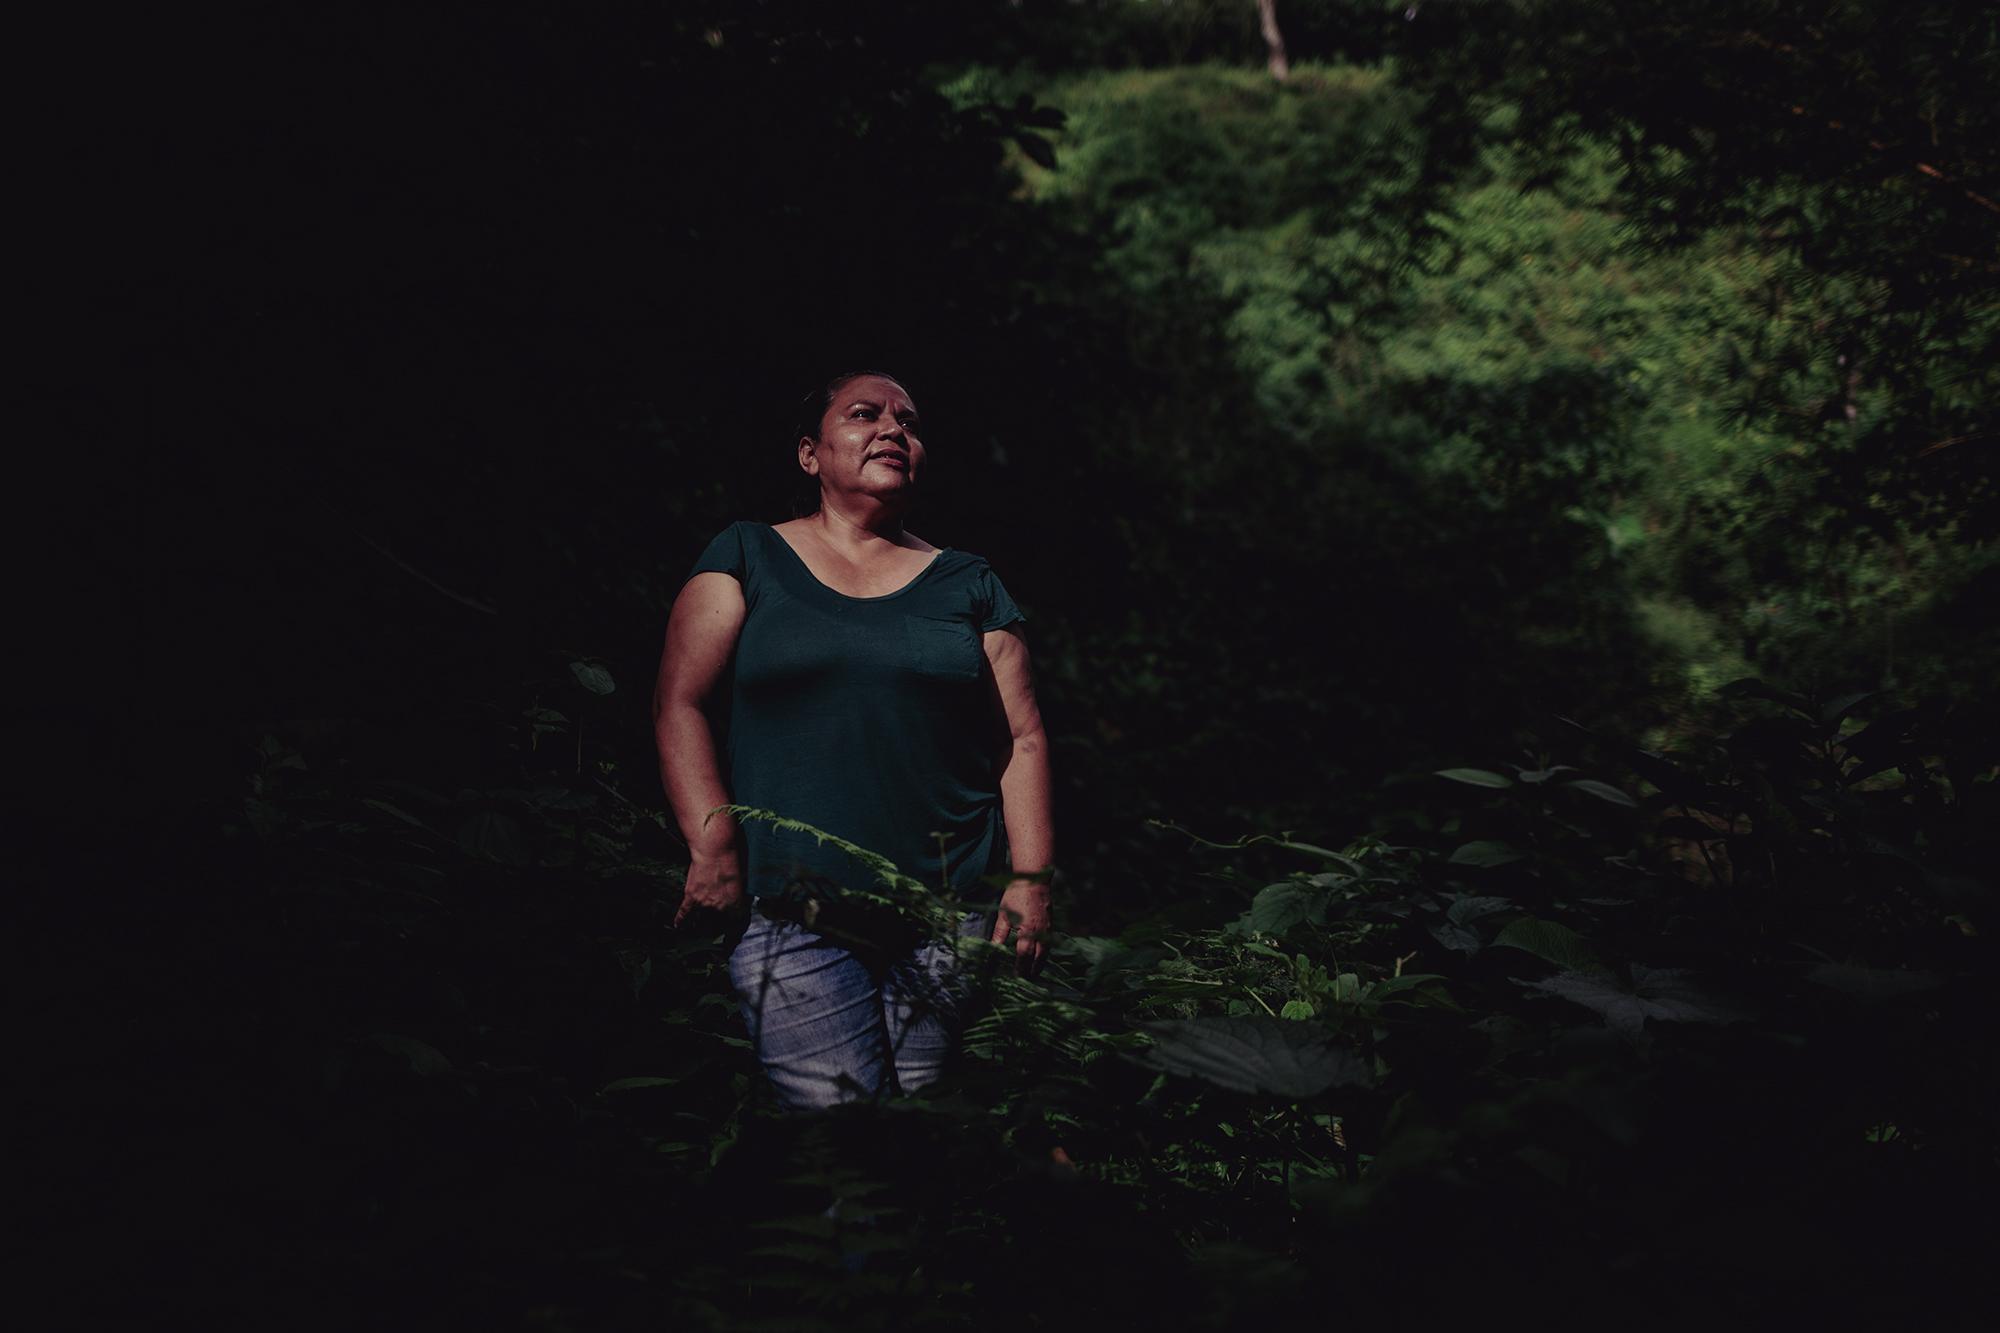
874,718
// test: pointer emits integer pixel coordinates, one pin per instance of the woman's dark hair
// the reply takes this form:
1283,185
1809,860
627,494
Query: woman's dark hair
812,408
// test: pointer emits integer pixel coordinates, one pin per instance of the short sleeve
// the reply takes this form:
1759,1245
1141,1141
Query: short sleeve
995,608
725,555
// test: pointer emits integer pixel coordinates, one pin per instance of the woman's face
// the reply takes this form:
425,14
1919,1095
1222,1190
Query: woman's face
868,441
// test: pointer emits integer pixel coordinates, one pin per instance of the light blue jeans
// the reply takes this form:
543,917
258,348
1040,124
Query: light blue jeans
829,1028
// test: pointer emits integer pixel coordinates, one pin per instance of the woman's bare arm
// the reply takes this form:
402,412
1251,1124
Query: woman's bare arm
701,637
1024,800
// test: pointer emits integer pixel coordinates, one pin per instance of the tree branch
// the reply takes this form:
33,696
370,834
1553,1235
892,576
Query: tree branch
424,578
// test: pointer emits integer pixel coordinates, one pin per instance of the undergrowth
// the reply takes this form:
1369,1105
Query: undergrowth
1604,1029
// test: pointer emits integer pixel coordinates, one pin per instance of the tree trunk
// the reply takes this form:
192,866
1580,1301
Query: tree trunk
1267,18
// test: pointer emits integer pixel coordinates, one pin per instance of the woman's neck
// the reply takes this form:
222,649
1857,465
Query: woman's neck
857,532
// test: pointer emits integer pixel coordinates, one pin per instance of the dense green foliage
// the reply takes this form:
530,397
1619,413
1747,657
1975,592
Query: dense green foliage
1510,363
1660,1034
1672,425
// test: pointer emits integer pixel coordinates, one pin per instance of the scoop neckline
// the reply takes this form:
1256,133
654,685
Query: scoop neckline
806,569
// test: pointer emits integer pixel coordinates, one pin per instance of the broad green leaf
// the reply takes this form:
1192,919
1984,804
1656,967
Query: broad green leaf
1278,907
1873,983
1678,783
1603,791
1457,938
395,812
425,1059
1398,988
1295,1009
1752,688
1883,743
1104,958
1469,907
592,677
1476,777
1550,940
1661,994
1486,853
1255,1054
1839,707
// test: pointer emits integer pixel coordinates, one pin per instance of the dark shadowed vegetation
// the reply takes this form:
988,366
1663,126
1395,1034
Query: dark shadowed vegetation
1507,521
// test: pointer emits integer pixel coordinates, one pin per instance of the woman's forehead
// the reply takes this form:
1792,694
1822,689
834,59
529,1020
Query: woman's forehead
871,387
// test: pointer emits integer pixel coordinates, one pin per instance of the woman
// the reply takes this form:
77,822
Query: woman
839,670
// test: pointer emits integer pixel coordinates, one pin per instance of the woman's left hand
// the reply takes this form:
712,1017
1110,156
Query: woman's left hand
1024,909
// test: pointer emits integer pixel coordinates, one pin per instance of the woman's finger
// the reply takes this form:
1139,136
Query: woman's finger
1000,924
1027,953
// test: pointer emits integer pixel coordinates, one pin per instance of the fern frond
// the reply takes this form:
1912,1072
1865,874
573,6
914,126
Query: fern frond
899,891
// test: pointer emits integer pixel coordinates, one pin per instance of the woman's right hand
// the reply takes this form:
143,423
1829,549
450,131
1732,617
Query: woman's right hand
714,881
